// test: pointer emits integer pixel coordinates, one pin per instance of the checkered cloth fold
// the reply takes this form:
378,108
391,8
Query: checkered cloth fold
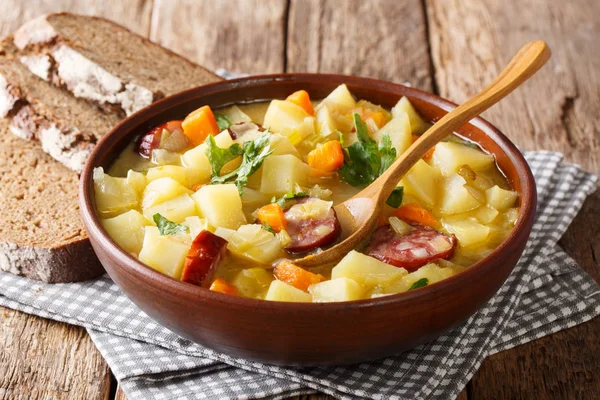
546,292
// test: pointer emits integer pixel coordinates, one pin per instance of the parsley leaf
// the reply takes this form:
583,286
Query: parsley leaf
288,196
253,154
218,157
419,284
166,227
387,153
223,121
364,160
395,198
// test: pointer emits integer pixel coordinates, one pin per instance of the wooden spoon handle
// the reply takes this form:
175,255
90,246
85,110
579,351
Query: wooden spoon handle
524,64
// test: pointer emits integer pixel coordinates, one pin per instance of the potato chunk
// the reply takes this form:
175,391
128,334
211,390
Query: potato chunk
422,182
113,195
165,254
501,199
417,124
290,120
281,174
221,205
399,131
253,282
195,225
176,209
455,197
255,244
367,271
161,190
432,272
340,289
197,160
340,99
137,181
281,291
127,230
449,157
188,177
468,231
325,123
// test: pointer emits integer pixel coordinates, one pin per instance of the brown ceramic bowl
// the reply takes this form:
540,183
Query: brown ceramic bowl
300,333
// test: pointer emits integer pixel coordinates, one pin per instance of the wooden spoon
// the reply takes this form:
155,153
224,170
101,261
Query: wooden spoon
358,215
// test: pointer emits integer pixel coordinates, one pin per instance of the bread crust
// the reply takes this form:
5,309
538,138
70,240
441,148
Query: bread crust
69,263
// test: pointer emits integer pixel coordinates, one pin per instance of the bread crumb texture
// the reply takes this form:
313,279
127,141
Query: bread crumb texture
38,201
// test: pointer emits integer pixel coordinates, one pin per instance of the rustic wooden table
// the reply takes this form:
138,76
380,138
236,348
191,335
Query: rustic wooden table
451,47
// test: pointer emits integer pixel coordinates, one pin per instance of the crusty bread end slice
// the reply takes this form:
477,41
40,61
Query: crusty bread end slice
41,235
103,62
66,127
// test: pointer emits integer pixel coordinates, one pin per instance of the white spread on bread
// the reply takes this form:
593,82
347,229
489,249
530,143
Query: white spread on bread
63,146
36,31
7,98
38,64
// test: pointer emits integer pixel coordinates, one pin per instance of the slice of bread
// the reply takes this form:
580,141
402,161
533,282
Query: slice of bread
61,115
103,62
66,127
41,235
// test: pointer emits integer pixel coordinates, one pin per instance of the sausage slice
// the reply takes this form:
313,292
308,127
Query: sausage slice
204,256
412,250
311,223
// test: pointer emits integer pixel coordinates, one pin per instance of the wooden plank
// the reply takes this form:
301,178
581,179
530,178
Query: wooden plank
471,41
239,35
383,39
134,14
43,359
558,109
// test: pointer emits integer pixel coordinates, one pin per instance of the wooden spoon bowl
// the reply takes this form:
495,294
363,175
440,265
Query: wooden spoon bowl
306,333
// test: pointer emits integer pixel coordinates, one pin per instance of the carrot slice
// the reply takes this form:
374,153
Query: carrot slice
429,153
199,124
272,215
299,278
413,212
377,117
221,286
326,157
302,99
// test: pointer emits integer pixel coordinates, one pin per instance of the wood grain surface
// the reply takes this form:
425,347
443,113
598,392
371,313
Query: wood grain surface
44,359
133,14
452,47
239,35
361,38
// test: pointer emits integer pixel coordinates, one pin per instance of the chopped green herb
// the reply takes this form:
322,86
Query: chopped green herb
166,227
218,157
395,198
253,154
288,196
364,161
223,121
387,153
268,228
419,284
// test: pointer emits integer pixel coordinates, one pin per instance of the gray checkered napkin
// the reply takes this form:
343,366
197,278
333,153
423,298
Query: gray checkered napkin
546,292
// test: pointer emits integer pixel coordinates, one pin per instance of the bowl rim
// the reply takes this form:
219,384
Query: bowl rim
167,283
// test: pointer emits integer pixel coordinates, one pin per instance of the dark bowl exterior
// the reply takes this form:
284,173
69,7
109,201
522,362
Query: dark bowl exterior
299,333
